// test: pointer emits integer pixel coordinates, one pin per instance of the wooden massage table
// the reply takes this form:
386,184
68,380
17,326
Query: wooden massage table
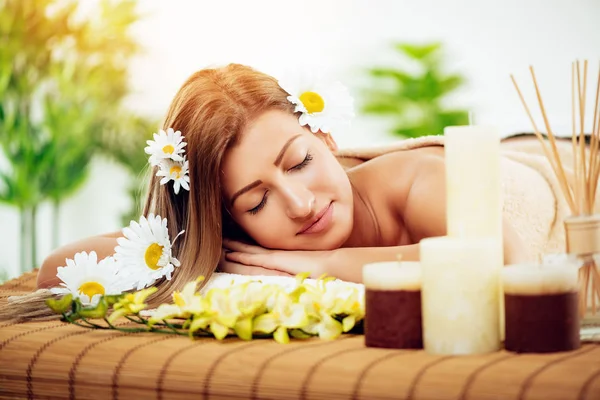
52,360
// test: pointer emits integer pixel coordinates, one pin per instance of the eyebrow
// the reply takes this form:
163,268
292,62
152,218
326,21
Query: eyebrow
277,161
283,149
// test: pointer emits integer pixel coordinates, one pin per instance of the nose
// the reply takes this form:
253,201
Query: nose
300,202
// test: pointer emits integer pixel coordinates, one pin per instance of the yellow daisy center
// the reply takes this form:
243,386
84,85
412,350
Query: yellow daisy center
175,169
313,102
168,149
91,289
152,256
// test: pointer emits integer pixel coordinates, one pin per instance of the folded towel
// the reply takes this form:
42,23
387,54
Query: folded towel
224,280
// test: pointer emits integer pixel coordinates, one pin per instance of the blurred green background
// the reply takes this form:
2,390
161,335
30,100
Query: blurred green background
63,77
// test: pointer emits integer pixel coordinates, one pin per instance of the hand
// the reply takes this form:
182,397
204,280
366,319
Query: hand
287,262
233,267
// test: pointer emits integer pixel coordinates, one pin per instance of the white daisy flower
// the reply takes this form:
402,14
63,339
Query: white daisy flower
166,145
325,106
145,251
176,171
88,279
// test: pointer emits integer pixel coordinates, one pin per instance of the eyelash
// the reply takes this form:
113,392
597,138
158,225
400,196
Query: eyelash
298,167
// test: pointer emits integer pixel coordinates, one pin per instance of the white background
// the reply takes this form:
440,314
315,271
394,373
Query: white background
485,41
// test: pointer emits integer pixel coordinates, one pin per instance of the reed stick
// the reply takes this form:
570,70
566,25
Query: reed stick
594,144
574,136
582,101
562,181
563,177
580,192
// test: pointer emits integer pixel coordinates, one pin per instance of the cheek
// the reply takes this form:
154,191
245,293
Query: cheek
268,227
331,178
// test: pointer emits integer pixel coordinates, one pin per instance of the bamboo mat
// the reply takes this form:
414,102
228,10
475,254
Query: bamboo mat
57,360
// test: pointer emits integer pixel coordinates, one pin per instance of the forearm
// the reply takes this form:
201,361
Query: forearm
346,263
103,245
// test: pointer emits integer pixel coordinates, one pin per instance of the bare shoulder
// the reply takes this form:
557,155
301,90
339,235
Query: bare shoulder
400,187
395,173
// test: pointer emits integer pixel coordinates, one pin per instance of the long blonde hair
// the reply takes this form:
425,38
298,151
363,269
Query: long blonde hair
211,109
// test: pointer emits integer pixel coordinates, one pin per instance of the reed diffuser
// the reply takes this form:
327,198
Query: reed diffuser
579,188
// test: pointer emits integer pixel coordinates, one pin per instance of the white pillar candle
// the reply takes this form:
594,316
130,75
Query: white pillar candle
460,295
473,186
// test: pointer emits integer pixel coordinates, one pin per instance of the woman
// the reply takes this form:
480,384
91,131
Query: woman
257,176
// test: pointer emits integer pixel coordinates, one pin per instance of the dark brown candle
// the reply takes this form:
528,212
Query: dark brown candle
393,305
541,311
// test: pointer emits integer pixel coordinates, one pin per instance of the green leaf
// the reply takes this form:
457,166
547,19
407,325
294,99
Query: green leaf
413,97
62,305
400,76
299,334
99,311
113,299
419,52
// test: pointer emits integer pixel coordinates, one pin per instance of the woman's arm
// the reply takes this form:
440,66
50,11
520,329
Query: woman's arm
103,245
346,263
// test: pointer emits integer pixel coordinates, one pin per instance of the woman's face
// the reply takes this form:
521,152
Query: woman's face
285,188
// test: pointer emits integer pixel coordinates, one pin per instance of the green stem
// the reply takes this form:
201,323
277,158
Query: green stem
92,324
111,326
137,321
173,328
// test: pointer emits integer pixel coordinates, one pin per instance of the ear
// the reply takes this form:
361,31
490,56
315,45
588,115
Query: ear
328,140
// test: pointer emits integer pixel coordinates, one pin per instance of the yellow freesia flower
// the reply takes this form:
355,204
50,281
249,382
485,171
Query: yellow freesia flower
131,303
285,315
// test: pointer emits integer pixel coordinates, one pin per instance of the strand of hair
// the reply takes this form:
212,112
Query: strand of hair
561,172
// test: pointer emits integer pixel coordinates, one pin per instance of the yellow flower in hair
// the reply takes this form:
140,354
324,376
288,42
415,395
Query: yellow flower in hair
166,145
176,171
324,106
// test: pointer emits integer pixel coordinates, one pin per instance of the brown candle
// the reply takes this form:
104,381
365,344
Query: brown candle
541,308
393,305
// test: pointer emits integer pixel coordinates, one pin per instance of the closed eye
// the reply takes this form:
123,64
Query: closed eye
298,167
260,205
304,162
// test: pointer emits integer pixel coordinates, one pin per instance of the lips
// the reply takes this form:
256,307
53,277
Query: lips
318,223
